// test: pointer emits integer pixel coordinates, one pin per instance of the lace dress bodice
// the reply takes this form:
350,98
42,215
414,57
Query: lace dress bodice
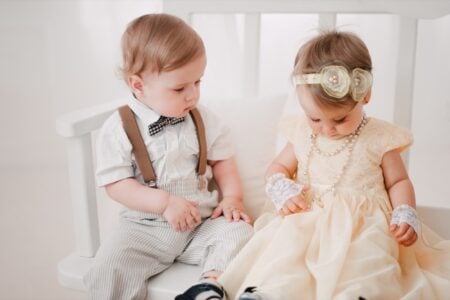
363,174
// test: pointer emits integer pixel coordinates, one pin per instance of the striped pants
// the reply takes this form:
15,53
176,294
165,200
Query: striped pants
140,249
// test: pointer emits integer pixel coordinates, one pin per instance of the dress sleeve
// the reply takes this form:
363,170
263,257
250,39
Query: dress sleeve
291,128
397,138
393,137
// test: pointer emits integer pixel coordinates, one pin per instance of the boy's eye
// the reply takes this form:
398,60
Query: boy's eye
315,120
198,82
179,90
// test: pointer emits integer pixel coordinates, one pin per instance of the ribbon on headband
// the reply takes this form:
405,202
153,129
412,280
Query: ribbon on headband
337,82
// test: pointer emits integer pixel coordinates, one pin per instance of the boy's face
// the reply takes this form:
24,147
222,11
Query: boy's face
333,122
173,93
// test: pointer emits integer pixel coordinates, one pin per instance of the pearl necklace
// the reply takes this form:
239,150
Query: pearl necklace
348,144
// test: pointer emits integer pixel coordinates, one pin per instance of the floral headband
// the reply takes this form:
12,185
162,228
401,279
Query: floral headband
337,82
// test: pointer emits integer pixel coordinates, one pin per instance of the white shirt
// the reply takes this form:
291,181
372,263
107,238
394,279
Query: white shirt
173,151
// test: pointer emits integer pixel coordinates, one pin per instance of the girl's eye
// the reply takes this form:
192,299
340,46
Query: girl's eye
340,121
179,90
197,82
315,120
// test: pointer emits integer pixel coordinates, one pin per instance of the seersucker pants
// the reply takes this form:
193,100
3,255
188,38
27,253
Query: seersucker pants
142,248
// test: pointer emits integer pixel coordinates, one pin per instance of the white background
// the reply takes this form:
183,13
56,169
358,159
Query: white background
57,56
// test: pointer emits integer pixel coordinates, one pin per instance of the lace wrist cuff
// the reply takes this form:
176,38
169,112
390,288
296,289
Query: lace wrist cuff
279,189
405,214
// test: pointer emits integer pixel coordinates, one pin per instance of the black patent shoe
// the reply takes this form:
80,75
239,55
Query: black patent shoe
250,293
207,290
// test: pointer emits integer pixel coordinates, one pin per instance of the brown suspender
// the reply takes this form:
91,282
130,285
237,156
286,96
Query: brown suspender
201,137
140,151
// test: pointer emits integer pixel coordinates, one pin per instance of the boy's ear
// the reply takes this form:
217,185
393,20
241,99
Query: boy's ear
136,84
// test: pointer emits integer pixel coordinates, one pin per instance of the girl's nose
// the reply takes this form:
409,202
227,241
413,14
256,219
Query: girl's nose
328,129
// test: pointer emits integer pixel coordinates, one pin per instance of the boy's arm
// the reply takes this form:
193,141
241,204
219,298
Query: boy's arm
227,177
182,214
137,196
401,191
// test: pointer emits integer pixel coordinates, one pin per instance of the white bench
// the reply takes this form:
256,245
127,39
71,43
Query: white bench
77,127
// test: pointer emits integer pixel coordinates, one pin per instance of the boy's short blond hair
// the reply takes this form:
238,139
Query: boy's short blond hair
158,43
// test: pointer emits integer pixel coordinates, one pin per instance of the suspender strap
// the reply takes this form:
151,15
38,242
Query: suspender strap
201,166
140,150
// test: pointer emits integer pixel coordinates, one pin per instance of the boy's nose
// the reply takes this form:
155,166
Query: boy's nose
191,93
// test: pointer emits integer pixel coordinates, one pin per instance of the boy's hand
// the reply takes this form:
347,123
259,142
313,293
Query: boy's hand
404,233
296,204
232,209
182,214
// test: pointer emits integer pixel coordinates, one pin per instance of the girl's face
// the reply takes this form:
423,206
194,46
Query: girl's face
333,122
173,93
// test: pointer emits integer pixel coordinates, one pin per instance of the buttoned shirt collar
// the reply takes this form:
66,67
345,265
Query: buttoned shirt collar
145,113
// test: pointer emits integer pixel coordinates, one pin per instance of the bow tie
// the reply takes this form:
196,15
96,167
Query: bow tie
159,125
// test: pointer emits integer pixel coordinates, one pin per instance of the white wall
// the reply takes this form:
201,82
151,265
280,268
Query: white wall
57,56
430,156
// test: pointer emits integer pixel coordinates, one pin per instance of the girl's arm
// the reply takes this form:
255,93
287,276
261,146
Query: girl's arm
397,181
401,191
227,177
285,163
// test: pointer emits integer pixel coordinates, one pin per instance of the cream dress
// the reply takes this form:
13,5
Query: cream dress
342,250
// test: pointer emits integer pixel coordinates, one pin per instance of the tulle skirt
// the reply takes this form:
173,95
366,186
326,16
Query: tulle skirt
341,251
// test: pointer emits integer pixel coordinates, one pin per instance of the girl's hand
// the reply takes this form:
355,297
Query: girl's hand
296,204
404,233
182,214
232,209
404,224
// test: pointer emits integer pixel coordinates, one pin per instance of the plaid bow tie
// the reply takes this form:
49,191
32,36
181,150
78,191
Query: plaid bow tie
159,125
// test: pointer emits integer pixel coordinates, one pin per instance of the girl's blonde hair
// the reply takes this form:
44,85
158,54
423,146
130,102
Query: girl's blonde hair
158,43
331,48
